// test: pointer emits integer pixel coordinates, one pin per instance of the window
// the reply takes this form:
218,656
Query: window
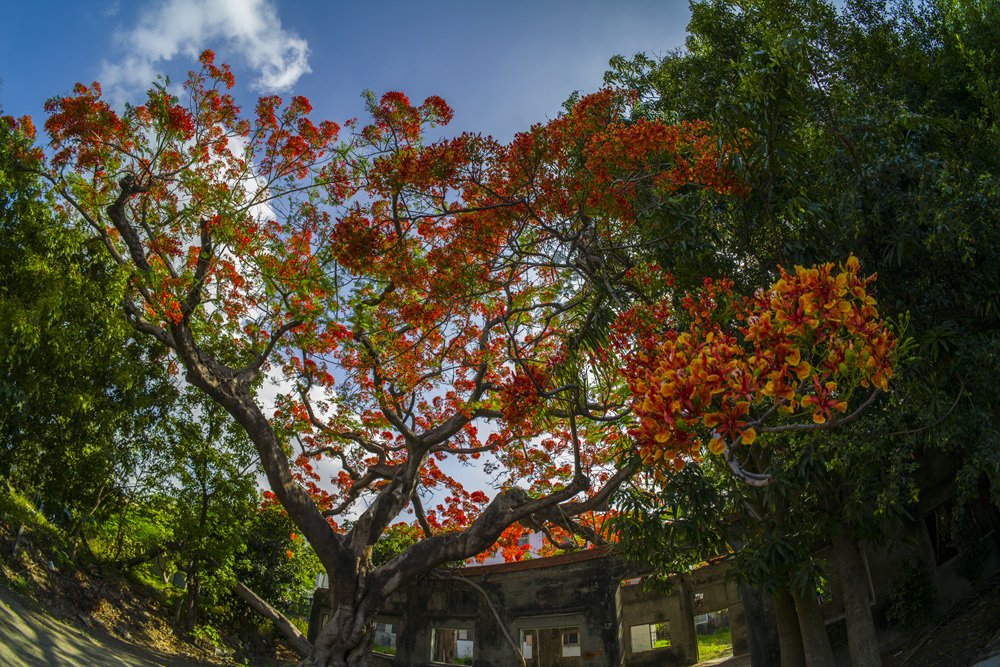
528,646
571,643
385,638
524,540
545,647
649,636
452,646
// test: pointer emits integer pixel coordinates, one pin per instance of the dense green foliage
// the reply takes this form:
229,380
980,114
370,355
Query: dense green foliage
130,468
78,394
873,129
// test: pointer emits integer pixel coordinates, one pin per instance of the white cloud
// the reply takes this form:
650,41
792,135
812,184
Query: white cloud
248,29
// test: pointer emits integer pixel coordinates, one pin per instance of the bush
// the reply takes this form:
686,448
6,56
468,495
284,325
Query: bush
911,594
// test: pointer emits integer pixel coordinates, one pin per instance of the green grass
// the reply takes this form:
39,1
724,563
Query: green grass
18,583
715,645
16,509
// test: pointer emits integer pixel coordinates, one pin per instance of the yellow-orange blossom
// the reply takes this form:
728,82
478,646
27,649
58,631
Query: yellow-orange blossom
800,347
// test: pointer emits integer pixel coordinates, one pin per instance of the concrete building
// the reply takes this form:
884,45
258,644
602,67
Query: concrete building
584,609
587,609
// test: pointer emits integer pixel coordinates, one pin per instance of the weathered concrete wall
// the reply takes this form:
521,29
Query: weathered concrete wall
582,590
548,593
702,591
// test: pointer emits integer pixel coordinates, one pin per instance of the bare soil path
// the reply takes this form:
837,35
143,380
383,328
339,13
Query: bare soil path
30,638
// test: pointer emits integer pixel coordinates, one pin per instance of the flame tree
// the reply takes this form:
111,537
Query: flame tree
423,301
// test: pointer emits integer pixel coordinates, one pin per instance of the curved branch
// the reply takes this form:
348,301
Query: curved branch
116,211
489,602
254,367
784,428
206,251
418,509
142,326
752,478
921,429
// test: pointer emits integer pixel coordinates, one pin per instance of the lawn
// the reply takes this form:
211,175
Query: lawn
716,645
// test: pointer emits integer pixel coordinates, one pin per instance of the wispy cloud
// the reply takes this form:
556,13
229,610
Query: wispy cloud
247,29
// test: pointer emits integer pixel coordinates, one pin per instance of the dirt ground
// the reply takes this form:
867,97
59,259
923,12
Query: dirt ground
32,638
969,634
66,616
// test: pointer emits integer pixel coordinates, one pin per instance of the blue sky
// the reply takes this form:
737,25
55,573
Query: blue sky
502,66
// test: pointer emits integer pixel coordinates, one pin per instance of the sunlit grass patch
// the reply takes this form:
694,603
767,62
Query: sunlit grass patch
715,645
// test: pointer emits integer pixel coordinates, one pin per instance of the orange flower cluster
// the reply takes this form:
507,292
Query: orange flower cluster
804,346
594,159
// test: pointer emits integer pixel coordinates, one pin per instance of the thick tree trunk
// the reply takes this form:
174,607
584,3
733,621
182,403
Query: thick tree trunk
789,633
861,640
762,630
346,640
815,642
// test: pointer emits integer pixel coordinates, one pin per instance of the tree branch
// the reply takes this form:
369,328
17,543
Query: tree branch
833,423
296,639
489,602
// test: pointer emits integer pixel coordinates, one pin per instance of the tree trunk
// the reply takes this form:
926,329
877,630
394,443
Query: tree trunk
815,642
789,633
861,640
346,640
18,541
150,554
190,615
77,533
762,630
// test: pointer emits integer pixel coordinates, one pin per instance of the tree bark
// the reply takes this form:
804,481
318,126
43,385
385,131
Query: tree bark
789,633
295,638
346,640
190,614
762,630
862,642
815,642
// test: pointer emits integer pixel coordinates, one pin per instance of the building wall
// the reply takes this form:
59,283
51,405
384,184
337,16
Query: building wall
582,590
585,590
576,592
702,591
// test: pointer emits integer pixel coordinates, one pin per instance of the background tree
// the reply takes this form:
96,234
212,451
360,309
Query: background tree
850,142
213,468
80,395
